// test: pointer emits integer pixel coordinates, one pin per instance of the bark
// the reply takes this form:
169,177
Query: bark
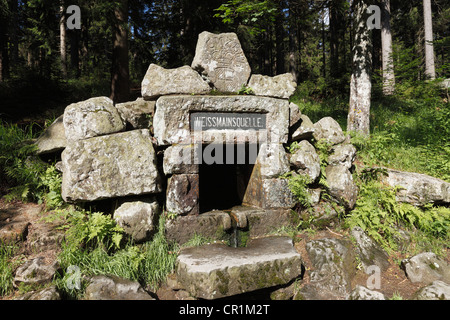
120,87
62,39
360,83
386,47
279,38
430,72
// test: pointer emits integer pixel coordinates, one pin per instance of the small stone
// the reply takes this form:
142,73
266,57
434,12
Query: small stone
115,288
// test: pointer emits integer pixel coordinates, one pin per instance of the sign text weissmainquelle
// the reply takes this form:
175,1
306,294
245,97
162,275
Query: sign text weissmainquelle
227,121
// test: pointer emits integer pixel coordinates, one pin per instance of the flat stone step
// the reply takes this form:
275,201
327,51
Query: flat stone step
216,270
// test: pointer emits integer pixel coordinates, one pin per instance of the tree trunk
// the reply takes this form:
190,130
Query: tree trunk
360,83
386,47
430,72
279,38
62,39
120,87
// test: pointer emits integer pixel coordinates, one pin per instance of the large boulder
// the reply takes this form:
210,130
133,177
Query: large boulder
273,160
329,130
104,287
281,86
306,161
362,293
333,268
341,185
426,267
343,154
49,294
220,58
172,121
91,118
305,130
53,139
184,80
216,270
418,189
121,164
437,290
138,218
368,251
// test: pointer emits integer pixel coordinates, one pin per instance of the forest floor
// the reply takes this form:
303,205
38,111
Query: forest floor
25,223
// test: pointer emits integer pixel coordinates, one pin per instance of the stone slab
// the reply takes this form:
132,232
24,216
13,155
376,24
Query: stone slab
216,270
172,118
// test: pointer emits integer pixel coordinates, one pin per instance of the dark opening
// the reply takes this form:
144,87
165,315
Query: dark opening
222,184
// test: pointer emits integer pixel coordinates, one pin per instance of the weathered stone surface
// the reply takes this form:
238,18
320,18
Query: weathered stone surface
262,222
426,267
115,288
220,58
53,139
35,271
305,130
180,159
138,218
276,194
368,251
91,118
281,86
215,271
184,80
139,113
306,161
183,194
333,268
343,154
273,160
328,129
211,224
110,166
418,189
172,123
50,294
362,293
437,290
341,185
294,114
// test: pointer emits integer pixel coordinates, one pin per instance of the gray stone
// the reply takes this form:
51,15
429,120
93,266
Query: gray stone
418,189
91,118
215,271
333,268
281,86
273,160
305,130
362,293
172,119
294,114
53,139
104,287
211,225
139,113
183,194
35,271
180,159
121,164
341,185
138,218
342,154
368,251
329,130
437,290
306,161
184,80
220,58
426,267
49,294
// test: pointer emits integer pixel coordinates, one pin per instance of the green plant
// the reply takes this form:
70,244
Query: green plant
245,90
6,268
298,184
